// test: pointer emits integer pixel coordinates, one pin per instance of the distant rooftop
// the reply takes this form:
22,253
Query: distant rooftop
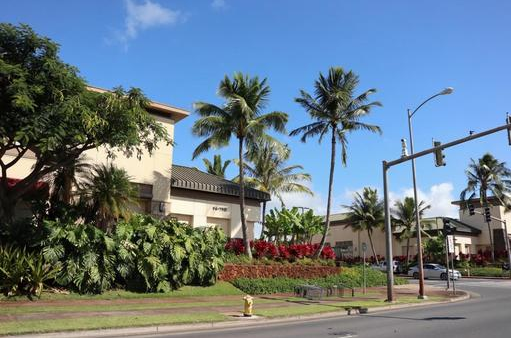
194,179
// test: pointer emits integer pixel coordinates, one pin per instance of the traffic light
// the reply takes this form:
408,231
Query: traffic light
448,227
471,210
439,156
487,215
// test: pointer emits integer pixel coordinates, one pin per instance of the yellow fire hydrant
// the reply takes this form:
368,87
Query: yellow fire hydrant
249,302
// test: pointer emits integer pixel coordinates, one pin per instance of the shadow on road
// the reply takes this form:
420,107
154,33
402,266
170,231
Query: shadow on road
421,319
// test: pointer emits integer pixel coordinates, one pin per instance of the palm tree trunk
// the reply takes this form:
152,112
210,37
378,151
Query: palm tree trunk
372,246
246,240
407,251
264,219
329,201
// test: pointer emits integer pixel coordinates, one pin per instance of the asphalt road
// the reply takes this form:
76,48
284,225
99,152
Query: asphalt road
486,316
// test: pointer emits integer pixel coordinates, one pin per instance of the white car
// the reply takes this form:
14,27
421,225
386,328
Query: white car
434,271
383,266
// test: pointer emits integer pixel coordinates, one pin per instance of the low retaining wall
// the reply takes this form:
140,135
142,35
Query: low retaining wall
234,271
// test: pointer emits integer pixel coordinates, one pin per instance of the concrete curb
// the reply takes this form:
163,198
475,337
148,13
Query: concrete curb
182,328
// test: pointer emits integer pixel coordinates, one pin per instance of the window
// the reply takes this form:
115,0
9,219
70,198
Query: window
343,248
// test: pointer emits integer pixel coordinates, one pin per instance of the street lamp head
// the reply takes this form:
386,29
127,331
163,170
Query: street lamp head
446,91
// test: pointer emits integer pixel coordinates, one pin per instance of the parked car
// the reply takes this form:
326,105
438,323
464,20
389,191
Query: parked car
434,271
382,266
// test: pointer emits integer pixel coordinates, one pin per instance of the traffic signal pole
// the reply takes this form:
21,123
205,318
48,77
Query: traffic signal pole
387,165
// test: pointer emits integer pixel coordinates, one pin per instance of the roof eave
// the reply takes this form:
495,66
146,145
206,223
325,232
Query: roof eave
177,114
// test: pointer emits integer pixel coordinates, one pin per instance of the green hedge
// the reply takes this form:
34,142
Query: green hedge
349,277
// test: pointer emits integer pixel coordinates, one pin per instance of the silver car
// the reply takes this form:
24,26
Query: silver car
434,271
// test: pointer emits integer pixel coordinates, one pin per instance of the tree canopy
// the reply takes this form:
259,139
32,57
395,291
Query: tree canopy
49,112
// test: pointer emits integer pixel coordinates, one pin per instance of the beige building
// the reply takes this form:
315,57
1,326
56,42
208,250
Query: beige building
167,190
471,233
203,199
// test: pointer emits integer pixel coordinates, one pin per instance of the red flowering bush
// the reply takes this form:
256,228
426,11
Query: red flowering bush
235,245
264,249
327,253
284,252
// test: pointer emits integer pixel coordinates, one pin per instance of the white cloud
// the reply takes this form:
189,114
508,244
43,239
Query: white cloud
317,202
145,15
439,197
218,4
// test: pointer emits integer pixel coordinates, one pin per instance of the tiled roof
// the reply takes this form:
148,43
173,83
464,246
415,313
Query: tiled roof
194,179
435,224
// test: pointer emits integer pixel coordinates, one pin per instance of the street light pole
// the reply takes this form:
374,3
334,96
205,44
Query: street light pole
420,265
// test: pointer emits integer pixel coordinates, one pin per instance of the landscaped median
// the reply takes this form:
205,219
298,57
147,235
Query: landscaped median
219,303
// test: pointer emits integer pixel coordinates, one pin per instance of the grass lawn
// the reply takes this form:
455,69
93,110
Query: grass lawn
486,272
39,326
219,289
34,308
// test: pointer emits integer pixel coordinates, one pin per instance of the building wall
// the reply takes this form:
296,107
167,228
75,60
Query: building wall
154,170
200,210
338,234
483,240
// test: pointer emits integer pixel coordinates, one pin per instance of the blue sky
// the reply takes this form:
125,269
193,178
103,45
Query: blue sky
177,52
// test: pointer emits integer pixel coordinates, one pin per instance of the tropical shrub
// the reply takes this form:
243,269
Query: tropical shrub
23,272
291,225
87,255
159,255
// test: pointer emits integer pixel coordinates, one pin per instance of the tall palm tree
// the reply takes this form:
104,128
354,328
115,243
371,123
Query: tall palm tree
218,167
335,110
267,171
241,116
366,213
488,177
404,217
109,194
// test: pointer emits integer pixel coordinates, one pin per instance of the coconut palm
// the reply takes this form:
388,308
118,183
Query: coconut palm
241,116
108,193
404,218
335,110
267,171
218,167
488,177
366,213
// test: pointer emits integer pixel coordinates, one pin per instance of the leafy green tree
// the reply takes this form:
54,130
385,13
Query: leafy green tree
241,116
488,177
366,213
267,171
335,110
218,167
48,111
109,193
404,218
